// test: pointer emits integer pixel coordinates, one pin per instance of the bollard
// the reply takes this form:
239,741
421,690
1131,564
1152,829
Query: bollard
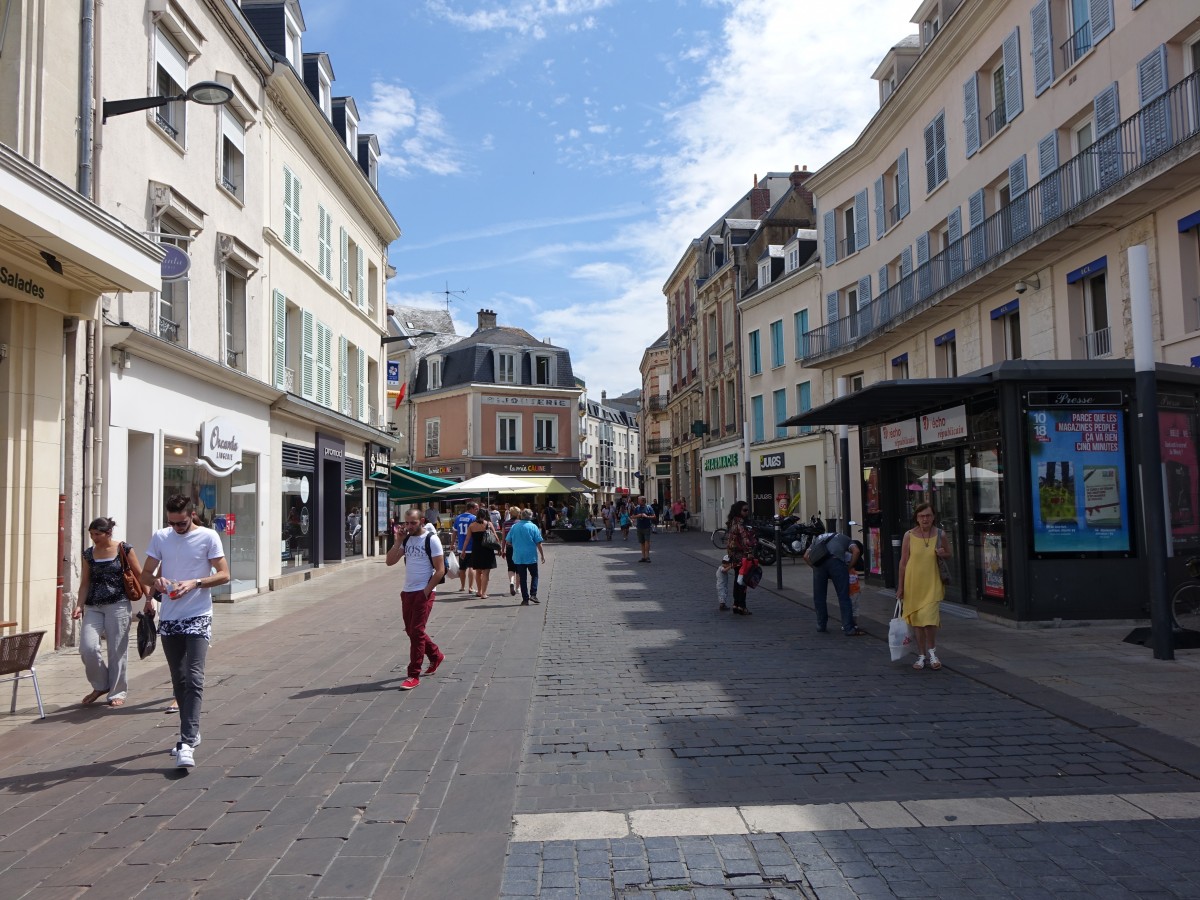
778,555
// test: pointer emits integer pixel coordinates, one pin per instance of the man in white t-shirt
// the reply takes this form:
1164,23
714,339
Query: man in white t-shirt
190,562
425,565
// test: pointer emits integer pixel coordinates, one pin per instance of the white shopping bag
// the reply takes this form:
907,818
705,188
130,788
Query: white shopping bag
900,636
451,564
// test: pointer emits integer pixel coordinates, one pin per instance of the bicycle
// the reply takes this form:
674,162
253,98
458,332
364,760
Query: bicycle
1185,601
720,538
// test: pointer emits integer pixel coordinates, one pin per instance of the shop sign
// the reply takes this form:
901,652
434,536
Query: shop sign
553,402
333,453
393,373
769,461
526,467
898,435
726,461
946,425
662,468
1079,481
220,448
380,463
175,264
1075,398
442,470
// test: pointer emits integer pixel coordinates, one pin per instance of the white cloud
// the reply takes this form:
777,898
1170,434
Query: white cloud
525,17
412,136
606,274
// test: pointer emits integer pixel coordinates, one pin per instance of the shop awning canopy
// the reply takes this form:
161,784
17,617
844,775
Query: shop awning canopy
887,401
408,485
550,484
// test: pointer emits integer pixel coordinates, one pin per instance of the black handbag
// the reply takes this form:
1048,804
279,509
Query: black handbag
147,634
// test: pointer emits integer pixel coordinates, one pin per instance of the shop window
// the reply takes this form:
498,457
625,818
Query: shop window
355,523
234,330
299,525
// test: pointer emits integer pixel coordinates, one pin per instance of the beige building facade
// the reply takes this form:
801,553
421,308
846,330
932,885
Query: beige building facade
654,421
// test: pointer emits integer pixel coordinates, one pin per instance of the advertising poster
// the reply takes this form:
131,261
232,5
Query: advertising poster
1181,481
1079,480
993,565
873,552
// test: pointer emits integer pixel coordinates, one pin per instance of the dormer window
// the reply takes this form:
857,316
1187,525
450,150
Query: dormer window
351,133
292,44
506,368
543,368
930,28
434,370
764,273
325,94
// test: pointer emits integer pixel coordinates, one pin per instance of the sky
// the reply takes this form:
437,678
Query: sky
552,159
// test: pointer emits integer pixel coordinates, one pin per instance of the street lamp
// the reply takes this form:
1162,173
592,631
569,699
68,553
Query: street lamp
394,338
206,93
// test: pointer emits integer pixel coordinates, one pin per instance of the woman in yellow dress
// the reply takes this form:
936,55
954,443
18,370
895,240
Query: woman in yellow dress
920,583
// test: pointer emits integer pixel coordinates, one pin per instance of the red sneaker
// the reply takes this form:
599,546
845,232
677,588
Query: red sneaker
409,683
433,666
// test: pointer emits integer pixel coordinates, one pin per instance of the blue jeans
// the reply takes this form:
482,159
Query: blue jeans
528,573
834,570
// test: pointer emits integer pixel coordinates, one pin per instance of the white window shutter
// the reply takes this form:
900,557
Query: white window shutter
1014,100
344,375
297,219
364,406
344,285
287,206
970,116
279,304
324,367
307,360
360,281
1043,47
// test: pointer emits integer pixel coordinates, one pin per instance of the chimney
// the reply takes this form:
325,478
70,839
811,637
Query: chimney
798,178
487,319
604,396
760,200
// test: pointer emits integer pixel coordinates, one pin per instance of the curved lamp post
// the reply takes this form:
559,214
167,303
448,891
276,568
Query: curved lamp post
206,93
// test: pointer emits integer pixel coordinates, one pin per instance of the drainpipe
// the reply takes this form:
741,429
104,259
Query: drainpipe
87,82
844,464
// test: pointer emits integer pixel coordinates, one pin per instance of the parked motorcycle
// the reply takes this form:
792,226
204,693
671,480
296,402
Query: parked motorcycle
795,537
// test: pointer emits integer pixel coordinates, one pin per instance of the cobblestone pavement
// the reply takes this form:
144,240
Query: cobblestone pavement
624,740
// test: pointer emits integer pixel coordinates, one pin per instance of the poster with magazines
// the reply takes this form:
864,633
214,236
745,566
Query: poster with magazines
993,565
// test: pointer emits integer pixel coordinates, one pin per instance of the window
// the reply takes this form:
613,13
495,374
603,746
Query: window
170,80
777,343
1006,331
804,402
545,433
929,29
233,154
351,133
543,369
800,323
779,405
1097,335
292,47
173,298
935,152
714,409
508,434
758,432
849,230
1083,138
755,353
434,370
324,92
710,335
764,273
324,365
234,308
900,367
856,382
727,323
433,438
946,355
324,243
506,368
731,416
291,210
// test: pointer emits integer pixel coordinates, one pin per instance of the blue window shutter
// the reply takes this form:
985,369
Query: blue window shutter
829,231
939,141
1102,19
970,117
880,218
1156,115
1014,100
1107,111
924,284
906,262
862,224
883,280
780,401
906,282
831,306
756,405
1018,183
930,160
902,181
954,229
978,237
1043,47
1051,185
864,291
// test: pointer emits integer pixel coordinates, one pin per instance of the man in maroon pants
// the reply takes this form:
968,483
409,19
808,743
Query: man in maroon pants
425,564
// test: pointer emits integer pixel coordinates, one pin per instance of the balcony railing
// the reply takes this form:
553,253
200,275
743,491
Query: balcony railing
846,247
1098,343
165,124
993,122
1076,45
168,330
893,215
1160,126
229,185
658,445
289,380
656,402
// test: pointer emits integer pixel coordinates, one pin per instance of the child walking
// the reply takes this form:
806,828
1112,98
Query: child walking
724,570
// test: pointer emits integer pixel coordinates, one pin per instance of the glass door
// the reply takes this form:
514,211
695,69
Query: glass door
934,478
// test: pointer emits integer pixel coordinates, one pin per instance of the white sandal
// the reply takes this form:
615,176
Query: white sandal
920,663
934,662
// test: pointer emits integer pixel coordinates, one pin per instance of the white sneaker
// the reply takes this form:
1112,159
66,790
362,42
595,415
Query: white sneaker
183,756
175,749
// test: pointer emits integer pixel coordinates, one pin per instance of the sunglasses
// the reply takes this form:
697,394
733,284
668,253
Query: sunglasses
182,524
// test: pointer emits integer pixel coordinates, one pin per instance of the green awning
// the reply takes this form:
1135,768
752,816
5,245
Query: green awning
409,486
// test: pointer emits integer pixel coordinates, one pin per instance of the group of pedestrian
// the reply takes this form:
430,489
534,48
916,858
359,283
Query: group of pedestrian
184,562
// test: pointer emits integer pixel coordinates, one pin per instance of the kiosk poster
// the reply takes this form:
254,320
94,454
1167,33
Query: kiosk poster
1077,457
1180,477
993,565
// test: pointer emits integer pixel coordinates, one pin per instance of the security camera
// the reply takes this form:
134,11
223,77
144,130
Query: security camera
1030,281
1021,287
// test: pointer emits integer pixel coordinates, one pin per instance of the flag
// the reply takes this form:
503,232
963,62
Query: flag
400,396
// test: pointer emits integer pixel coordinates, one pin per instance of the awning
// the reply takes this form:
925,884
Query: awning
551,484
888,401
408,485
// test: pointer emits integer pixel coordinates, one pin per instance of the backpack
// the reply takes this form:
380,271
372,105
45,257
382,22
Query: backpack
753,577
429,553
821,550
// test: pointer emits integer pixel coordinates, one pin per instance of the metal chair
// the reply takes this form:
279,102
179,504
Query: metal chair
17,653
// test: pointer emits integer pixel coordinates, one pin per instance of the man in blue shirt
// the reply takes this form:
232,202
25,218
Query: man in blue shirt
643,517
526,541
462,522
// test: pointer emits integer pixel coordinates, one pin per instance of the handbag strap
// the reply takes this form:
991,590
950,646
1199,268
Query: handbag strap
124,558
899,611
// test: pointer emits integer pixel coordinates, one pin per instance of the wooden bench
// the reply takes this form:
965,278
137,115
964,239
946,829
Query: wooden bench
17,655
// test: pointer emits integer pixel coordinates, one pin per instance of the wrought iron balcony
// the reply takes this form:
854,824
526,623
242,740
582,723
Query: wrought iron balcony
289,380
656,402
658,445
846,246
1076,45
165,124
168,330
1112,162
994,121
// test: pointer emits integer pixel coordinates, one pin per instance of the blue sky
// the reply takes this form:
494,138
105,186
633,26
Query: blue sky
551,159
